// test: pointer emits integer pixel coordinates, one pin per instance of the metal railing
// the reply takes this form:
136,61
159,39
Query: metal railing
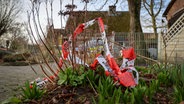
149,51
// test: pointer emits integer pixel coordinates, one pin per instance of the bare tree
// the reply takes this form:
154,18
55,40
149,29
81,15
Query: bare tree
153,8
9,10
15,38
18,39
19,44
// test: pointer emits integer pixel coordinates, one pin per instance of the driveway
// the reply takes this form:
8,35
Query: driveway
13,77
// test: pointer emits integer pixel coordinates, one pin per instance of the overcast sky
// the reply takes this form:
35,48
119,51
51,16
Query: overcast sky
122,6
56,8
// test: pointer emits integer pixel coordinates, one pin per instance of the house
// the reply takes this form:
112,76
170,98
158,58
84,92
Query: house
173,11
172,42
114,21
54,36
111,20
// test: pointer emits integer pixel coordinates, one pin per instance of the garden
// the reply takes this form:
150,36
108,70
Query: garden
157,84
104,81
87,66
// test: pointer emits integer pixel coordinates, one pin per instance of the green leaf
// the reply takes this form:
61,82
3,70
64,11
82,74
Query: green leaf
62,79
12,100
132,98
31,93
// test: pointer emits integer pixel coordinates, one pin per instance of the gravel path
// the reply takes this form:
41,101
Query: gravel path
12,77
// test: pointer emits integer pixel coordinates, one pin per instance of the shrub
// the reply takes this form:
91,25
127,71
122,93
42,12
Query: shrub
9,58
32,60
21,63
16,57
163,78
12,100
177,78
3,53
72,77
32,93
108,93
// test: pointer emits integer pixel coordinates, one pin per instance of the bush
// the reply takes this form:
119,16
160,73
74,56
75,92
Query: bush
30,93
27,55
71,77
19,63
32,60
16,57
12,100
9,58
3,53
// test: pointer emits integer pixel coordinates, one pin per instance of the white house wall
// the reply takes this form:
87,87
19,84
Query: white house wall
174,49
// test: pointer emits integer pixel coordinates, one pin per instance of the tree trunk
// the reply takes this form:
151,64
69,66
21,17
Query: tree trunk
154,27
136,36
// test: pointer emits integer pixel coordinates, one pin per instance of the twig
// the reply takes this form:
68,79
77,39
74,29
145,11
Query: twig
29,24
46,74
147,58
66,95
92,86
29,64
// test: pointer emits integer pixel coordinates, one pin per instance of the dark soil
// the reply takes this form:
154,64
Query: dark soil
84,94
67,95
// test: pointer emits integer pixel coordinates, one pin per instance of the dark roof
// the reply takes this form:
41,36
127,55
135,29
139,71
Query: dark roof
57,31
168,7
119,21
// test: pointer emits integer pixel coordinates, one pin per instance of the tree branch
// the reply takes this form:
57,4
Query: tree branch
103,5
160,7
145,6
